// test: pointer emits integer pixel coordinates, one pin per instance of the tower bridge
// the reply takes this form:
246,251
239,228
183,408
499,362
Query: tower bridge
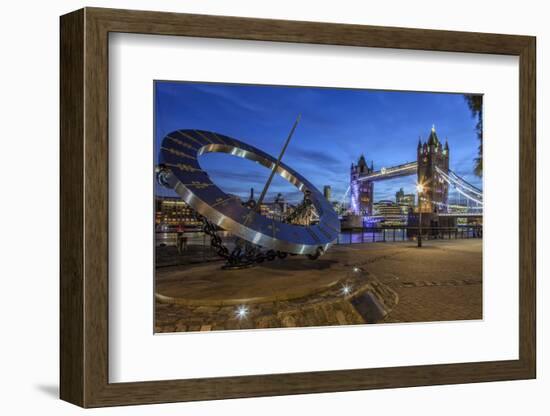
432,170
394,172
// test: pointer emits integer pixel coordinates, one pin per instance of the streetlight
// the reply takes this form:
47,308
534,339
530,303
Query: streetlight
419,190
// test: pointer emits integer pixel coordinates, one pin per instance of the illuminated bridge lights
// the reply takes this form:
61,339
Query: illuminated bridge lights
395,171
430,166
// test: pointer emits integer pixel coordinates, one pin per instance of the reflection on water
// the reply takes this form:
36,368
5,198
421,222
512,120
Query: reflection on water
354,237
400,234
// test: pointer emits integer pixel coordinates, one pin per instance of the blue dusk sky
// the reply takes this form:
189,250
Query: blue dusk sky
337,126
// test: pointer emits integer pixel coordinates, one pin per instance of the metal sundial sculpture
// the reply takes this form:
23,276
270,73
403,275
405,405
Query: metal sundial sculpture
261,238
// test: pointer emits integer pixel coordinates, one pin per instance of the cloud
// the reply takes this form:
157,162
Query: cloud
224,93
315,157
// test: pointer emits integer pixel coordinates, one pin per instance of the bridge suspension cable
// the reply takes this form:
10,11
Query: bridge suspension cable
467,185
461,186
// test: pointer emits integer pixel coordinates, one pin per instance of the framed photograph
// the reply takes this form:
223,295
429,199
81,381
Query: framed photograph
255,207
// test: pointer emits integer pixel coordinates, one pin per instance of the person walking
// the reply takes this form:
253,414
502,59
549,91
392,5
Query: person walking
181,241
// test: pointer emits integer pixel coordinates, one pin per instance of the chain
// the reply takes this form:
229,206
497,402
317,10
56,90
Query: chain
244,253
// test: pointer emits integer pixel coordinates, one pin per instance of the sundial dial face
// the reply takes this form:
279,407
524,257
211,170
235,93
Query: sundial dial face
179,155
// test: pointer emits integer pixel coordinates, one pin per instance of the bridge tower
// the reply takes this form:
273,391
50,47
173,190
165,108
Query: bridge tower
430,155
361,192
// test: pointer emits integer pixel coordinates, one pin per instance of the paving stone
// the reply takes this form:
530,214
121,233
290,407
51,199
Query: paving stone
207,309
180,327
341,318
430,288
288,321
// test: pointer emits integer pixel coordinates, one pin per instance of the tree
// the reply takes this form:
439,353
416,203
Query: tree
475,104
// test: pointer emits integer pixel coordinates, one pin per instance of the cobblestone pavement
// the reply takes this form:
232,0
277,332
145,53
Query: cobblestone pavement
348,296
439,282
332,307
394,282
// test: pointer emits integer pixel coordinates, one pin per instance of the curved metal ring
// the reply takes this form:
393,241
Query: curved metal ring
179,155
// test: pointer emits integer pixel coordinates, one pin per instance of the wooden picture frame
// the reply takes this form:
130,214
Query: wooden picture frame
84,207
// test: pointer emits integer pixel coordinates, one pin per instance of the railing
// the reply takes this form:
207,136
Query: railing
194,246
190,247
169,238
351,236
403,233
